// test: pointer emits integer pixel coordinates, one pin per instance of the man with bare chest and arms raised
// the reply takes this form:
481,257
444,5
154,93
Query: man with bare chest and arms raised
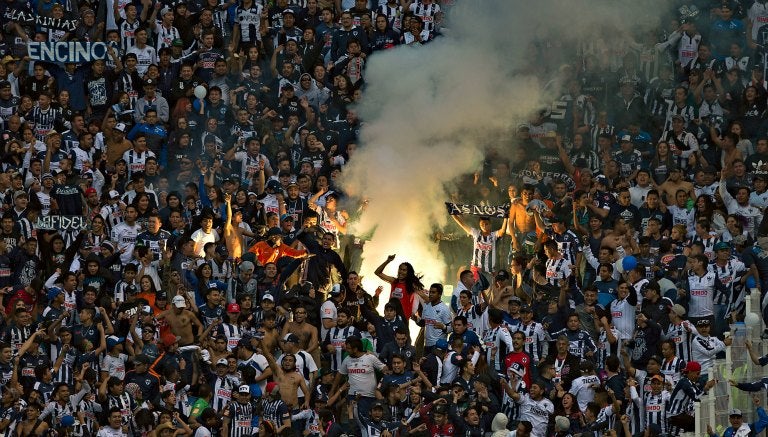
181,320
289,380
520,222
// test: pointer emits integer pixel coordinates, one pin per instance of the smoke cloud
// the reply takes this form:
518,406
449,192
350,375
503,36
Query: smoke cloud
430,112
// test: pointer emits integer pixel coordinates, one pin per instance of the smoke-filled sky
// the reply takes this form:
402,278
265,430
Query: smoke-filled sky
429,113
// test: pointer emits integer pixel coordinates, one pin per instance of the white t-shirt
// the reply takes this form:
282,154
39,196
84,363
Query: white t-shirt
583,388
125,237
327,311
536,412
201,239
361,372
115,366
145,57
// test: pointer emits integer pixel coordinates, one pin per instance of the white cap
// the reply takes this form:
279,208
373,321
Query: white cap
113,194
179,302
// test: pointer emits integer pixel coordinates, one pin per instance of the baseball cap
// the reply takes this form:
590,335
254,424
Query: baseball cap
601,179
273,185
47,176
274,232
165,10
246,265
525,308
692,366
291,338
53,292
626,139
336,290
233,308
170,339
286,217
288,11
503,275
178,42
113,194
179,302
67,421
90,191
722,246
677,117
703,322
150,82
4,84
120,127
114,340
517,369
222,362
678,309
268,297
515,300
441,344
142,359
272,387
562,423
734,412
657,378
245,389
377,404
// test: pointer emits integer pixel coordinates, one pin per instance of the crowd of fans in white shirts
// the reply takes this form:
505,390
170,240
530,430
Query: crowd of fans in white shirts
177,258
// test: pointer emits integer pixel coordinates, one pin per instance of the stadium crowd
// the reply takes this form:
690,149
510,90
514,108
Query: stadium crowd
177,258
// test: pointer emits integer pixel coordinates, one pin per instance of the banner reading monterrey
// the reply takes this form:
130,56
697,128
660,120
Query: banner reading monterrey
67,52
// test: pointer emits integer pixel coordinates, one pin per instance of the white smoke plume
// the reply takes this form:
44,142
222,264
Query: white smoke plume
429,113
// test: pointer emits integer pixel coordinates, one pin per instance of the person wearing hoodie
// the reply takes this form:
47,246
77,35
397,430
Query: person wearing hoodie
308,89
384,37
499,427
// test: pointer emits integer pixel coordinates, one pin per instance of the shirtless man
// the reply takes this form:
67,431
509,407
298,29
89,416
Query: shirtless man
520,221
307,333
289,380
217,348
180,319
500,291
621,236
271,340
674,183
233,233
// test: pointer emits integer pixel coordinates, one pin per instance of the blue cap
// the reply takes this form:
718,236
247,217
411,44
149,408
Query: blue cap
441,344
67,421
53,292
274,185
114,340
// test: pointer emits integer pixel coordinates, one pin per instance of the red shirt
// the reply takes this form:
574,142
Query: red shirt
524,360
400,291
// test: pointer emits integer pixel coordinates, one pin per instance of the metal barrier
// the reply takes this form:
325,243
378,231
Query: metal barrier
737,365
